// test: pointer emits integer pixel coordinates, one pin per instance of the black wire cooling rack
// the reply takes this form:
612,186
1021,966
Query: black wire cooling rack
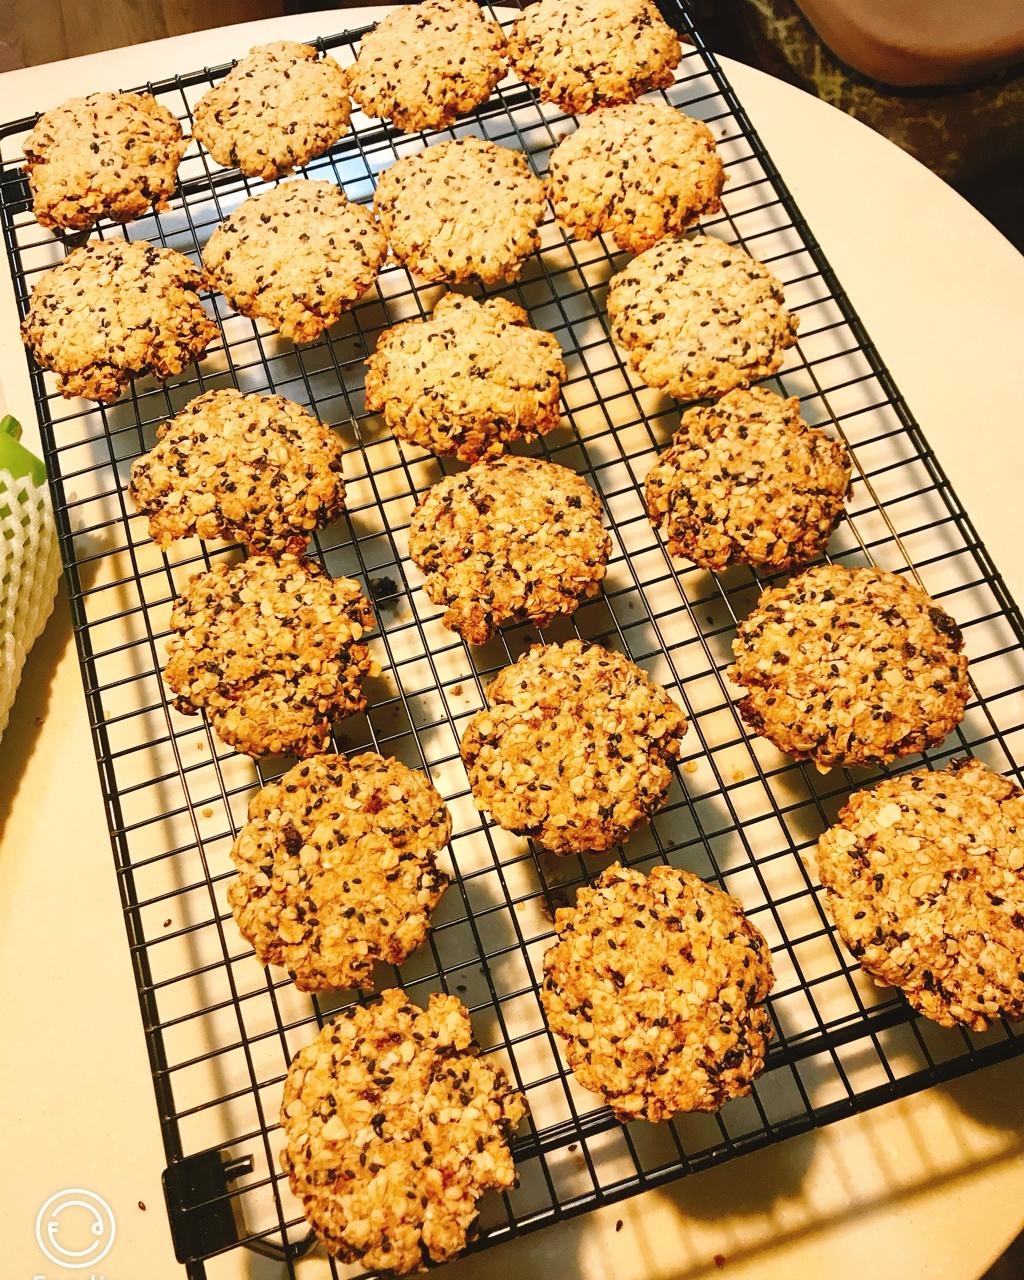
220,1029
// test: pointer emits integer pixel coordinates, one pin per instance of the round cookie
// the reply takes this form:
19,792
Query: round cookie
297,256
850,666
277,108
269,650
638,172
462,210
699,317
747,481
512,538
583,54
112,155
924,877
471,379
424,64
260,470
575,748
657,984
112,309
337,869
394,1128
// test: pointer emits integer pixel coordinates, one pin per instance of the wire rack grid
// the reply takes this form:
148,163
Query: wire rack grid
220,1029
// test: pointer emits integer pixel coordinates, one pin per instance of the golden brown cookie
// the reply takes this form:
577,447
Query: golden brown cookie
512,538
394,1128
280,106
461,210
113,155
270,650
469,380
425,64
575,748
657,984
337,868
297,256
850,666
583,54
638,173
699,317
260,470
924,877
747,481
112,309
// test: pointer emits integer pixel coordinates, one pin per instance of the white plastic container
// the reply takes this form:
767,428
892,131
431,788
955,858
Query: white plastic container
29,559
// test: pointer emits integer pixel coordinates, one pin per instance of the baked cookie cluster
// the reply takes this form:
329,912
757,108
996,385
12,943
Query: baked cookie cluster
337,868
395,1125
468,381
511,539
260,470
575,748
271,651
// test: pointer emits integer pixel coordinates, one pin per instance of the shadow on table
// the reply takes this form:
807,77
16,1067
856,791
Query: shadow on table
32,703
772,1199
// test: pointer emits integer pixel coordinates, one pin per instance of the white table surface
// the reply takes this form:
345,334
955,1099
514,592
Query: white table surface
931,1186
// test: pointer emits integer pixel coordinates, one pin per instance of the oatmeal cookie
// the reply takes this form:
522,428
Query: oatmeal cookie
699,317
512,538
575,748
277,108
850,666
424,64
583,54
924,877
270,650
468,381
337,868
639,173
747,481
113,308
297,256
466,209
657,984
394,1128
260,470
113,155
